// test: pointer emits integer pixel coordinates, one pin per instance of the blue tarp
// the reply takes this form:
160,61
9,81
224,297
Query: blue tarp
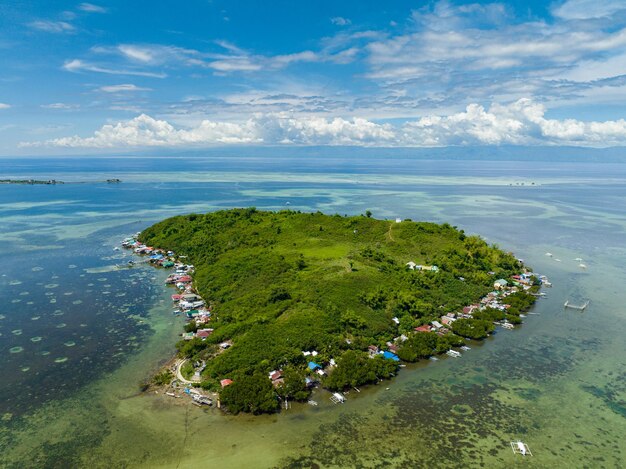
157,257
313,366
391,356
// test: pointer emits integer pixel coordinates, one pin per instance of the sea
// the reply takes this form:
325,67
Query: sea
79,334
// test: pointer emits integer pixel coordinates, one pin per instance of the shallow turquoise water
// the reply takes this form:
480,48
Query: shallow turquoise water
558,382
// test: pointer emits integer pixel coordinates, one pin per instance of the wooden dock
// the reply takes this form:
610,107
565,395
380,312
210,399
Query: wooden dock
520,447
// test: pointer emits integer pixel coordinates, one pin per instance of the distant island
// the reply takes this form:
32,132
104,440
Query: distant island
279,302
30,181
53,181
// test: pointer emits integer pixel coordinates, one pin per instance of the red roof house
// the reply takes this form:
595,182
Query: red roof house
424,328
204,333
274,375
226,382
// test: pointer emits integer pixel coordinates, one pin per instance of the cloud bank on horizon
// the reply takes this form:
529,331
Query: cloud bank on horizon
521,123
448,73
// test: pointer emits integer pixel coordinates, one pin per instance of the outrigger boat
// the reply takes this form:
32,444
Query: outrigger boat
582,307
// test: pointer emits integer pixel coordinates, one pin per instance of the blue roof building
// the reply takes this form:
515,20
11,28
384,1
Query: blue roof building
314,366
391,356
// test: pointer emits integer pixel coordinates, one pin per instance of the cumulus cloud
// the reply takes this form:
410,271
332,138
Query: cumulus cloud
145,131
522,122
52,26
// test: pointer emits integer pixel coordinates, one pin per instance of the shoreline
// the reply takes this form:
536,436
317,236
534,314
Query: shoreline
169,380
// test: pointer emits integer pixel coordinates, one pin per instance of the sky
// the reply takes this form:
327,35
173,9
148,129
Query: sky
140,75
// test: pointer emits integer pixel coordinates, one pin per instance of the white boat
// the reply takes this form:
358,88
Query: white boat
453,353
434,359
465,347
582,266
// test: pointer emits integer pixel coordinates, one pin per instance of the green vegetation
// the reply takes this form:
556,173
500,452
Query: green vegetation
163,378
281,283
355,368
472,328
250,393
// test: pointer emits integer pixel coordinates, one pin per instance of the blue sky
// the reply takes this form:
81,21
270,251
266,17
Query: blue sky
111,75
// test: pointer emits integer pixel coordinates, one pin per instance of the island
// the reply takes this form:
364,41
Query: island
277,303
31,181
52,182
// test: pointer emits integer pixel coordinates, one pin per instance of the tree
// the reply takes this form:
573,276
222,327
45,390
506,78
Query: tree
294,384
368,214
472,328
250,393
421,345
355,368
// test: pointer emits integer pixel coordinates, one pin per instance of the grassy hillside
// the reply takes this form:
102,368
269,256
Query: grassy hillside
283,282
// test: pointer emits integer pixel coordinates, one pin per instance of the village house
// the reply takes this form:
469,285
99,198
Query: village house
203,333
275,374
500,284
447,320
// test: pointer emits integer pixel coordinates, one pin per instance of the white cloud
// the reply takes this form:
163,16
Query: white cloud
235,64
232,59
145,131
468,53
63,106
140,54
76,65
52,26
91,8
123,88
586,9
522,122
4,106
340,21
